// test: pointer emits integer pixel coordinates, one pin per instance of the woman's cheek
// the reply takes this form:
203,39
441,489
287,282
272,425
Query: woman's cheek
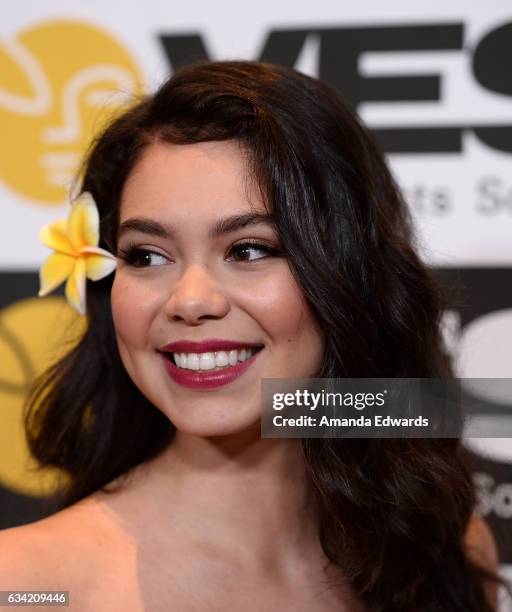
281,304
133,305
292,326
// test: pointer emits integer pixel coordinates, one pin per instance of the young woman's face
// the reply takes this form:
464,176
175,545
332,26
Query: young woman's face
200,263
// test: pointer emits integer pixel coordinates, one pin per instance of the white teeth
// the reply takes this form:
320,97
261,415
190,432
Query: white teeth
191,360
209,361
206,361
221,359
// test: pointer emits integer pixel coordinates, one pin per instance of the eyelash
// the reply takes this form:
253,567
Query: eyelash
133,255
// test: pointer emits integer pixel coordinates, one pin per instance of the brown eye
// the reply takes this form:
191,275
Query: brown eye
251,251
142,258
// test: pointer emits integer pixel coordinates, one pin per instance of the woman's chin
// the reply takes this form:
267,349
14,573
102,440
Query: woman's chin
216,425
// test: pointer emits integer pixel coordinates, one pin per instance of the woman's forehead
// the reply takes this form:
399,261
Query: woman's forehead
208,179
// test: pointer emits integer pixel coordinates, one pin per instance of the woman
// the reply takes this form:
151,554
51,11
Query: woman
250,211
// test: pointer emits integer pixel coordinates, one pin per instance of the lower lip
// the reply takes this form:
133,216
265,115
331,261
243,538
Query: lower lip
206,379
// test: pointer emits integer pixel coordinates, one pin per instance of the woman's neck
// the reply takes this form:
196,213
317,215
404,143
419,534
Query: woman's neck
241,495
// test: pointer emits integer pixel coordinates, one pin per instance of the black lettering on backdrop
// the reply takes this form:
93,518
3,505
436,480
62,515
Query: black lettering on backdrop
284,46
492,60
340,51
182,49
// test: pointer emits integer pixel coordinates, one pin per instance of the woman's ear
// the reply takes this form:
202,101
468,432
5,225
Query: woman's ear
481,549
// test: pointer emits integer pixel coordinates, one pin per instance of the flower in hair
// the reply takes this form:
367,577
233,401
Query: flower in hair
77,255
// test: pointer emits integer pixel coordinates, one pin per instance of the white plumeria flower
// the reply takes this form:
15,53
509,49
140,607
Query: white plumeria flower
77,255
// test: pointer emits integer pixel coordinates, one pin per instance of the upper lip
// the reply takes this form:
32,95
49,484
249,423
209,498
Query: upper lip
210,345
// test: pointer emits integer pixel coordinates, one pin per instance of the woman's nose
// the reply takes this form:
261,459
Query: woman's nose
196,296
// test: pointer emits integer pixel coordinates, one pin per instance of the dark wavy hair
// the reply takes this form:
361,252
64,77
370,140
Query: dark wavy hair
393,512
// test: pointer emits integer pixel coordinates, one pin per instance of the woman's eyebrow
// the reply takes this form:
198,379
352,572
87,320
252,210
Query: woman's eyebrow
224,225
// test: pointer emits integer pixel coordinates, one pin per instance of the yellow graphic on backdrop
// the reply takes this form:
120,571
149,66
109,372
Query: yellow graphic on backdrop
34,333
59,82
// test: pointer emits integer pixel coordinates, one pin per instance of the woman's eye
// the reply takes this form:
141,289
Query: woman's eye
251,251
142,258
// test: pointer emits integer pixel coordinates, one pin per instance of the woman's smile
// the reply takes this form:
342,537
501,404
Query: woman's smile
195,364
202,371
204,298
217,360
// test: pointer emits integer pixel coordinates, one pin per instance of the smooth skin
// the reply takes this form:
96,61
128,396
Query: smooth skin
222,519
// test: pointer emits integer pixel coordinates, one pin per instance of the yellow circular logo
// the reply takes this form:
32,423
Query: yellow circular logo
59,82
34,333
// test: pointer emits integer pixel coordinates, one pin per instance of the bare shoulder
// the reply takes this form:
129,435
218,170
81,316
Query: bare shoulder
35,550
32,557
481,549
76,550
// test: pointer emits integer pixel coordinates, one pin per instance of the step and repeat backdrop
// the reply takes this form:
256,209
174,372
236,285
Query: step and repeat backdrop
433,80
